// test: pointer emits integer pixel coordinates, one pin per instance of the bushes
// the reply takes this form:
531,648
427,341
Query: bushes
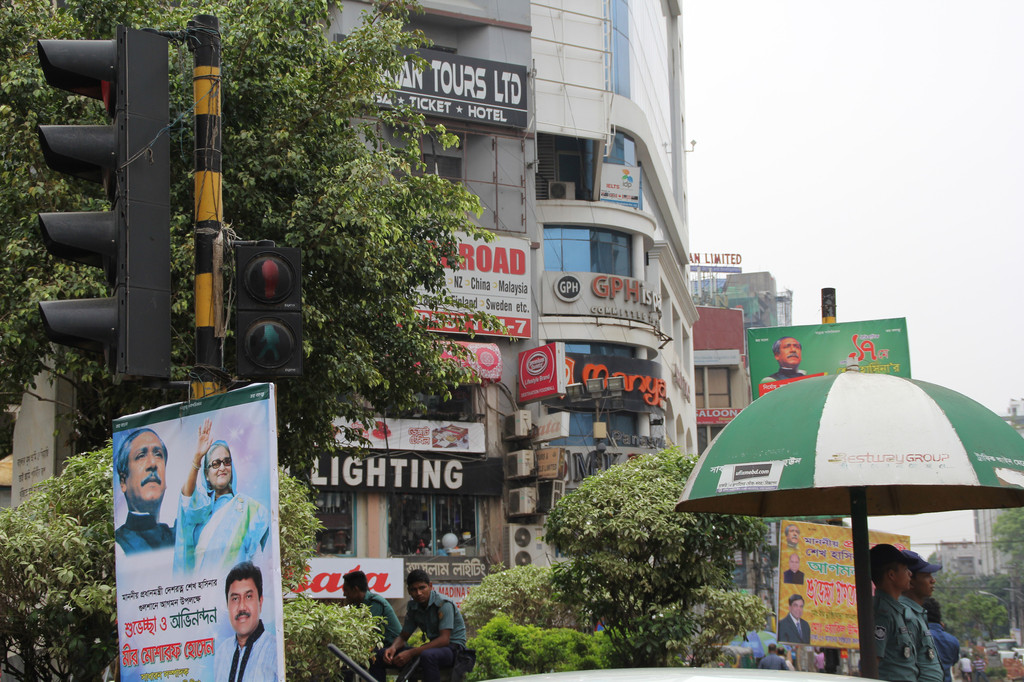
504,649
311,625
524,594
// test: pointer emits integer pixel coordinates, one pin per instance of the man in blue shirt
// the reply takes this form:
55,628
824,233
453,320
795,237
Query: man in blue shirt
947,645
440,621
772,661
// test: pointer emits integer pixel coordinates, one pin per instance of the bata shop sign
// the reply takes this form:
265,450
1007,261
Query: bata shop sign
601,295
492,277
409,474
464,88
386,577
541,372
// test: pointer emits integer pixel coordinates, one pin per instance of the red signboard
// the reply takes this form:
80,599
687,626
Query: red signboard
541,373
716,416
486,360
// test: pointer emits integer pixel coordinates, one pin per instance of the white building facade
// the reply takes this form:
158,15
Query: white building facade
571,135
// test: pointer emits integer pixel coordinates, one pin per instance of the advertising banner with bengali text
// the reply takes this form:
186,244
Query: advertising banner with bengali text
817,586
781,355
198,560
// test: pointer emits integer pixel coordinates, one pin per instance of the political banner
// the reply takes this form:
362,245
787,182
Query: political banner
817,586
198,561
781,355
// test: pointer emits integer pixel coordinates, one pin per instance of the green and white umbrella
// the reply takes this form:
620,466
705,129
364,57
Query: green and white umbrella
855,444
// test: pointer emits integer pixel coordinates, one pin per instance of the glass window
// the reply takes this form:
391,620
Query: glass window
334,510
417,524
718,387
622,151
620,47
597,348
581,427
712,387
587,249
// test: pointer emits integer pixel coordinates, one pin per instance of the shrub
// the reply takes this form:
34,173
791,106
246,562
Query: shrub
524,594
504,649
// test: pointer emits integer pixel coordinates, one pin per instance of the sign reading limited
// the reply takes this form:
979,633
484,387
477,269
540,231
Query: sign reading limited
541,372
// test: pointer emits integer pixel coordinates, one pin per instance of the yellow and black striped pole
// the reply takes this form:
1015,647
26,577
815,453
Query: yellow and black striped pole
209,212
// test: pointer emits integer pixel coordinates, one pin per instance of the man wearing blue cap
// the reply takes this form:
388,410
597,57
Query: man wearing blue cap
922,583
897,654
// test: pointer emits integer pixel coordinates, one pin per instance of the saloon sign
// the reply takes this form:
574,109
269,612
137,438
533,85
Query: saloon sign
601,295
716,416
454,86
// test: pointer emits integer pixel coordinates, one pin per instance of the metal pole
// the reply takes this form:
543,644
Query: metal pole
828,306
204,30
862,570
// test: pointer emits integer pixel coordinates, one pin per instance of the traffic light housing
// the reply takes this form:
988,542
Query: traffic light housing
131,159
269,331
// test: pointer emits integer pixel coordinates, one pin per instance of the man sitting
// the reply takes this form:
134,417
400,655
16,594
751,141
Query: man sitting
440,621
357,592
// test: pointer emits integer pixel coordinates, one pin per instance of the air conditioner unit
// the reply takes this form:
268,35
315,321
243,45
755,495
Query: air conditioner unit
518,425
519,464
548,495
522,501
525,546
561,190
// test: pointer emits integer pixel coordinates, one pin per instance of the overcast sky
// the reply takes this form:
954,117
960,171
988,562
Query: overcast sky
876,147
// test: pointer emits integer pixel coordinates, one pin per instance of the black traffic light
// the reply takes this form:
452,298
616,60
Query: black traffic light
269,338
130,158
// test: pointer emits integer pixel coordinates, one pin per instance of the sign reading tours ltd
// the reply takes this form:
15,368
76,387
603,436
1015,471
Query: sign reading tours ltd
198,561
454,86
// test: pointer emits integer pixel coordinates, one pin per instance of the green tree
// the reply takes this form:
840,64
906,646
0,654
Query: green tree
310,160
968,612
525,594
644,570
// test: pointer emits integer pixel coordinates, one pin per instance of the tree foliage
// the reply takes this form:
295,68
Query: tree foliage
506,649
641,568
524,594
969,609
310,160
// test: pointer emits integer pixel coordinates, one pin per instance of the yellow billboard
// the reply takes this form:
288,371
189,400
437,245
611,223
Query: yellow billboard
817,587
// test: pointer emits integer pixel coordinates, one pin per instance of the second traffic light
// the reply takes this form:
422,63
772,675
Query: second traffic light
269,330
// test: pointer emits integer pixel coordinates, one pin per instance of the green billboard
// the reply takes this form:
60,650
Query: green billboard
780,355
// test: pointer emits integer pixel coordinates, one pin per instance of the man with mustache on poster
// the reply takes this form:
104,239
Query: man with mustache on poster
141,469
251,654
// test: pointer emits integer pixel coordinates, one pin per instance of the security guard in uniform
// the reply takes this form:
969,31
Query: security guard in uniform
895,646
922,583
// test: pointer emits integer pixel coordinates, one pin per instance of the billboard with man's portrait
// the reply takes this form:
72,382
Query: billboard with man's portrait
198,561
817,586
781,355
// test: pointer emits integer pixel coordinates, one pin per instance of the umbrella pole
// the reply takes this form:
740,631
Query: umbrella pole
862,570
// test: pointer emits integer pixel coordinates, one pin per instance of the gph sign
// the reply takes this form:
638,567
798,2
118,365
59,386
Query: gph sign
384,576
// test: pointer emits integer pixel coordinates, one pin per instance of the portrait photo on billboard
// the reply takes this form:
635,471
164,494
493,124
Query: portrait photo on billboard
195,507
782,355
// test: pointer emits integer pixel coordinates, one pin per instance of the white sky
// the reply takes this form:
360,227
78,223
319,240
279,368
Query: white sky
876,147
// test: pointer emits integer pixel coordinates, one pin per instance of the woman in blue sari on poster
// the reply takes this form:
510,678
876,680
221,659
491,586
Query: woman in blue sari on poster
217,526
